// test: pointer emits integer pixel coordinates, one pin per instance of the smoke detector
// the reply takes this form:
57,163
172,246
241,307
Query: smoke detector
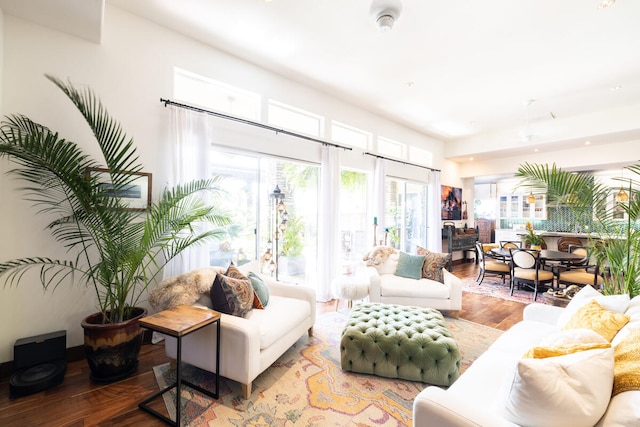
385,13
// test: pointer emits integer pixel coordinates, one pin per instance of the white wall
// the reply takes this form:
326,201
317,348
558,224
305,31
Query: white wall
130,71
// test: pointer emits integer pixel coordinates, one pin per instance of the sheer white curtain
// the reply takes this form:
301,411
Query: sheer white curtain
328,224
188,151
434,225
379,177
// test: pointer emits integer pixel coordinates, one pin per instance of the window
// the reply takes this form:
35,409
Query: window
296,246
406,214
241,183
353,220
420,156
391,148
351,136
214,95
294,119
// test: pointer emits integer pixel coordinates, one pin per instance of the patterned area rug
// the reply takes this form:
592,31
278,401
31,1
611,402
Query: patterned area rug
493,286
307,387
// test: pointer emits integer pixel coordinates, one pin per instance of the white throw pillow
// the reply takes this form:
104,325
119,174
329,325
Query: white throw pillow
569,390
615,303
573,336
633,311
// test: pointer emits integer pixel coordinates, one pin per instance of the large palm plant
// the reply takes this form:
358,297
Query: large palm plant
117,251
615,242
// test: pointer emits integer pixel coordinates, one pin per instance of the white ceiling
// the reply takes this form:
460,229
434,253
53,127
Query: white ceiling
472,64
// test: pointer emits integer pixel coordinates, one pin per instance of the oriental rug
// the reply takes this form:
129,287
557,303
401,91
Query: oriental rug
492,286
307,387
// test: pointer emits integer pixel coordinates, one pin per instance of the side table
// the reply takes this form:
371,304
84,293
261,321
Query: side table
179,322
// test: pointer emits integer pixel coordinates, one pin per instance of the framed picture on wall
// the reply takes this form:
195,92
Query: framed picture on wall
451,203
136,196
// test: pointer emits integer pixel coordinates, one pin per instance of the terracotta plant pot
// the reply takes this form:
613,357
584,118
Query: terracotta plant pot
112,349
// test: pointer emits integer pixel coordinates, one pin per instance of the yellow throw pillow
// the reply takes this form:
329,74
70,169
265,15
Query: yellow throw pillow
593,316
561,350
626,368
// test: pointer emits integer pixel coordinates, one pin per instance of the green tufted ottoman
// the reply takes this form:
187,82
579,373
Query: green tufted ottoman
397,341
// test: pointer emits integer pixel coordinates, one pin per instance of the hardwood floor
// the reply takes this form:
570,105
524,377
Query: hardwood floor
80,402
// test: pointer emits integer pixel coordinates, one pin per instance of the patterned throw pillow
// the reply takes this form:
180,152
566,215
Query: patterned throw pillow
626,369
434,262
232,293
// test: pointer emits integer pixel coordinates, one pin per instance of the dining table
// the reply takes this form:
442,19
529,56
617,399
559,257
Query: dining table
545,255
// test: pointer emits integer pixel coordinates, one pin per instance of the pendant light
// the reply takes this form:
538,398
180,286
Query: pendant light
531,199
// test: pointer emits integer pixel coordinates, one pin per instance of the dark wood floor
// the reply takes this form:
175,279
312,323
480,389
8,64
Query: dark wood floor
80,402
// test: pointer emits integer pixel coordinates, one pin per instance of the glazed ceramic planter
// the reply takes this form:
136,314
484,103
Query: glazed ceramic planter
112,349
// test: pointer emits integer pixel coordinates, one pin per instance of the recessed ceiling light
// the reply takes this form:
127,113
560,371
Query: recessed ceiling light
587,142
615,88
605,3
409,84
471,158
535,150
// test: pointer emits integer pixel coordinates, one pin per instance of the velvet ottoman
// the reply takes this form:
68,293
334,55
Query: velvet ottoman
397,341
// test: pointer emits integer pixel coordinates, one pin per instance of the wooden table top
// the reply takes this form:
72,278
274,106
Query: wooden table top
544,254
180,320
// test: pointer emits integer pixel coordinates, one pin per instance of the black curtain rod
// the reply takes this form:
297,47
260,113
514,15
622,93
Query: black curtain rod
252,123
402,161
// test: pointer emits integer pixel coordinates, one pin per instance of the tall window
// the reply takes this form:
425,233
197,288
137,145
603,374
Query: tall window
241,185
353,220
297,239
249,182
406,214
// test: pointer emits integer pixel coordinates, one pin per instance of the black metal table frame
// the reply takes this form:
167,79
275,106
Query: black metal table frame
179,381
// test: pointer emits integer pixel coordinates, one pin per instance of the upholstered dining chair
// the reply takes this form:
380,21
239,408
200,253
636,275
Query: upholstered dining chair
579,272
490,265
526,269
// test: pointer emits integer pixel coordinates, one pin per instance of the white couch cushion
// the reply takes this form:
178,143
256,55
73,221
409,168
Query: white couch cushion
569,390
633,311
396,286
276,319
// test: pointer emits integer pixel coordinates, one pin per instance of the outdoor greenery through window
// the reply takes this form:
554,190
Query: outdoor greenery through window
353,220
406,215
249,181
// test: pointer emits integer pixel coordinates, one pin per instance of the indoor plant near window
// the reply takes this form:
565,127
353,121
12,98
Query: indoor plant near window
116,251
292,259
615,243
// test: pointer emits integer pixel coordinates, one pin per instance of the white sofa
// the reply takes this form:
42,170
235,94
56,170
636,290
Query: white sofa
491,390
250,344
386,287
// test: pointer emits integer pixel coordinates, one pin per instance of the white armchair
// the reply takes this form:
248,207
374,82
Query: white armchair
386,287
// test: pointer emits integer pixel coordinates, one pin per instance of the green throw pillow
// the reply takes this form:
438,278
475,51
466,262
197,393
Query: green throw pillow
260,289
410,266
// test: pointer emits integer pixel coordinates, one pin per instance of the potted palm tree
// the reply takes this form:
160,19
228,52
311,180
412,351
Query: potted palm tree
614,242
116,251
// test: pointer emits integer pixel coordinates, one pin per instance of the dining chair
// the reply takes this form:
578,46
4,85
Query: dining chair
566,241
508,244
579,272
526,269
490,265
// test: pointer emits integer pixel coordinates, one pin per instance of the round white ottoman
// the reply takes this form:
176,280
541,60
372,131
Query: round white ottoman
352,288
